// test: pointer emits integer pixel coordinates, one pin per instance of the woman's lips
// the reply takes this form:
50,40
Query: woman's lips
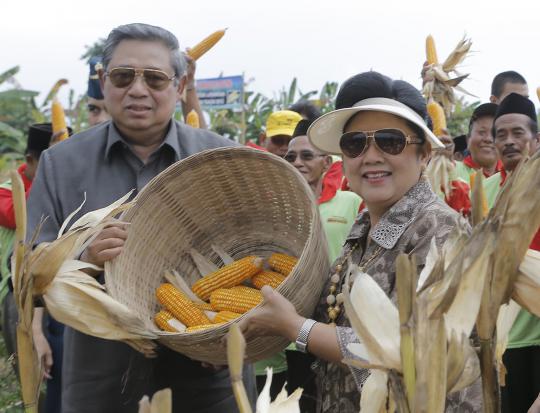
376,177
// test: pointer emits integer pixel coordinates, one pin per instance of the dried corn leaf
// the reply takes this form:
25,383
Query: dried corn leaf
375,391
175,279
462,363
507,315
458,55
226,258
161,402
236,348
527,286
203,264
78,300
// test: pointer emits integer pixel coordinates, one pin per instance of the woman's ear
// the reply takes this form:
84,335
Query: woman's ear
327,162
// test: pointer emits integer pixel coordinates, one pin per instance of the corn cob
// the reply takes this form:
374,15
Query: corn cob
431,51
436,113
237,299
538,92
206,44
192,119
202,327
203,306
282,263
225,316
58,120
271,278
180,306
165,320
228,276
484,203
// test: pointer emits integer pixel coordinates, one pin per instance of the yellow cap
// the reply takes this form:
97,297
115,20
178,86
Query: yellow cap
282,122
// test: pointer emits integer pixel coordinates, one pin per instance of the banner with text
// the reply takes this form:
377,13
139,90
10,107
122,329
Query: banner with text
221,92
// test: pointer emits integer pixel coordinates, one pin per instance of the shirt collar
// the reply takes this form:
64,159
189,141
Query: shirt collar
114,139
397,219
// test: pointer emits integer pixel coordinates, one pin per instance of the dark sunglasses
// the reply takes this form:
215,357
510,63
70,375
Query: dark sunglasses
304,155
390,141
123,77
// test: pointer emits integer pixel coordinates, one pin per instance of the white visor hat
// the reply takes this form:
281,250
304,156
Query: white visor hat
326,131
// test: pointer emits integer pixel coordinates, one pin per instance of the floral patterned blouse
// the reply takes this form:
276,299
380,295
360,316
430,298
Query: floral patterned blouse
408,227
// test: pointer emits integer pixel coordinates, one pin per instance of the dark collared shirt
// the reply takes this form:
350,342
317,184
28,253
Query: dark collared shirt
102,375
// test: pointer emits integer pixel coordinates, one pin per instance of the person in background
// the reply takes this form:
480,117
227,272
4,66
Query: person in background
338,211
516,135
97,113
482,153
505,83
279,130
460,148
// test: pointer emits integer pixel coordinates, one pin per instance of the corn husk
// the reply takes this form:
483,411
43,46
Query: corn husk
27,360
376,386
507,315
440,84
441,172
236,347
478,198
283,403
161,402
527,286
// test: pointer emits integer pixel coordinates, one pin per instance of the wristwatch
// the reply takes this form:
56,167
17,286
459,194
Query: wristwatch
303,334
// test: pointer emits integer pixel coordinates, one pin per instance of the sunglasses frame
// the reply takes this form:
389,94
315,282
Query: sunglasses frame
409,140
141,72
299,155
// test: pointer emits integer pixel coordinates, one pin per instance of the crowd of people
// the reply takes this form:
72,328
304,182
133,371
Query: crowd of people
365,162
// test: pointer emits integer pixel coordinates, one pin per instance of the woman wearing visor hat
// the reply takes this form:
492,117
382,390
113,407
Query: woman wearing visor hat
379,128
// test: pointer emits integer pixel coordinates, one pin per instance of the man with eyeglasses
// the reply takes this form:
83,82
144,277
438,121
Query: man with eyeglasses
143,77
279,130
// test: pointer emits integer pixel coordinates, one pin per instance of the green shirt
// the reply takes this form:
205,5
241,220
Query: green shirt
7,235
338,216
526,329
464,172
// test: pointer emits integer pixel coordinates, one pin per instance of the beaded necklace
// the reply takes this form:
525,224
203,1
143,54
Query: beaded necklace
334,300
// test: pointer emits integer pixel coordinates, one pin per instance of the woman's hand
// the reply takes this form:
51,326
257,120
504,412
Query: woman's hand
276,317
107,245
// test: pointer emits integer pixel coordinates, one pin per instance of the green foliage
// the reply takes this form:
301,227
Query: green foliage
258,107
95,49
458,124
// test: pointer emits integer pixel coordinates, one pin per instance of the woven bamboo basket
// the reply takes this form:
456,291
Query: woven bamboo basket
243,200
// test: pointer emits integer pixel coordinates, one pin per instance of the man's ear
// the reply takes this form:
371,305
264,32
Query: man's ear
493,99
101,75
327,162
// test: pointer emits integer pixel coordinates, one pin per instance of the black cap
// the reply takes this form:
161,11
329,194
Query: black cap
516,103
39,138
460,143
485,109
302,128
94,88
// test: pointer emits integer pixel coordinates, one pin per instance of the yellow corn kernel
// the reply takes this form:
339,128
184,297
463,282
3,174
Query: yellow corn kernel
192,119
227,276
225,316
271,278
180,306
203,306
165,320
282,263
206,44
485,208
436,113
431,51
237,299
202,327
58,120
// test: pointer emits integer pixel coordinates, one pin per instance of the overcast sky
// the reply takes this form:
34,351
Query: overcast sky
275,41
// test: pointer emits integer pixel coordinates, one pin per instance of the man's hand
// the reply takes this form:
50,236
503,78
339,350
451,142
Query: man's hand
44,353
107,245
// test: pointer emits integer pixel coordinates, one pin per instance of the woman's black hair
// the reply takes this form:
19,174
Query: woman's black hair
376,85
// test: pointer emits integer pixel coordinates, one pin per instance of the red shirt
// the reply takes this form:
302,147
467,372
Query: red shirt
468,160
7,214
